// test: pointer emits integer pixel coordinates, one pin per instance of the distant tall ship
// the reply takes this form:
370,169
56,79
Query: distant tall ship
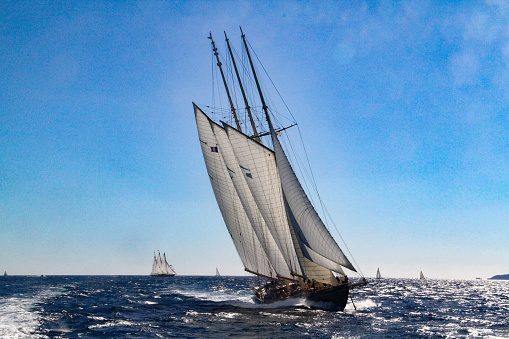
5,273
378,275
422,276
217,273
160,267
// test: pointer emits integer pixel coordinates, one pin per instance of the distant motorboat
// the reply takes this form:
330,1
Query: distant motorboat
378,275
217,273
160,267
422,276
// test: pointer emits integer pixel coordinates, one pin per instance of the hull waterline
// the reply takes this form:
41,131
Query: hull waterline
338,295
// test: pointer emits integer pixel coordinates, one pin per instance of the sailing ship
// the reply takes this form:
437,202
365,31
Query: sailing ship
5,273
378,275
217,273
277,232
160,267
422,276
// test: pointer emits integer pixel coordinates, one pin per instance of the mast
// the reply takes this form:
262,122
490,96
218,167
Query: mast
255,132
264,106
224,81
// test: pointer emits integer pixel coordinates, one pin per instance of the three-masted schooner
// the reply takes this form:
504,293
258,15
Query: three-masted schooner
161,268
274,227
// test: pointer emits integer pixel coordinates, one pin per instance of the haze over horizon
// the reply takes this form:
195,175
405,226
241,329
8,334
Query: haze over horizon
403,109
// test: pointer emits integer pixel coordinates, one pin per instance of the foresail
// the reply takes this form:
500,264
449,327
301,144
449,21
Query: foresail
258,166
308,226
166,267
255,217
245,240
159,264
154,266
311,270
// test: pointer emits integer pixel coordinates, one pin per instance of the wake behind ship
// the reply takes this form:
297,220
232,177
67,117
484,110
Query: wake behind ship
276,230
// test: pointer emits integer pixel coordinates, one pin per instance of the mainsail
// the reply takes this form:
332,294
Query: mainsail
378,275
274,227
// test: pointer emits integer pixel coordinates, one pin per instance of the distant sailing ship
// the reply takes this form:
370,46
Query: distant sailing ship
378,275
160,267
422,276
274,227
217,273
5,273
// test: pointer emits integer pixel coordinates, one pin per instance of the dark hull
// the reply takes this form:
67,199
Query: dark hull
162,275
338,295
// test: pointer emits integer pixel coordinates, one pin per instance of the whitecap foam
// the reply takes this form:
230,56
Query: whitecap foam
19,319
216,296
290,302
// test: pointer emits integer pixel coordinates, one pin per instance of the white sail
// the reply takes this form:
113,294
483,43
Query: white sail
159,264
217,273
167,269
311,270
258,224
258,166
245,240
422,276
378,275
154,266
316,241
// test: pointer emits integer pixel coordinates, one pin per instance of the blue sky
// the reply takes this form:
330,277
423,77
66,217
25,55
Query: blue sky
403,107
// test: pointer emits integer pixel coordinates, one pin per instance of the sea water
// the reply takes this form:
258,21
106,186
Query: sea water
207,307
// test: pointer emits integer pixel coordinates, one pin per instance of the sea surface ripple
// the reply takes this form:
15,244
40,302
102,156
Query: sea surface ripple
206,307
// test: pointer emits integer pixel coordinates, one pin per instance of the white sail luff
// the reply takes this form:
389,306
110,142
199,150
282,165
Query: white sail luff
246,242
